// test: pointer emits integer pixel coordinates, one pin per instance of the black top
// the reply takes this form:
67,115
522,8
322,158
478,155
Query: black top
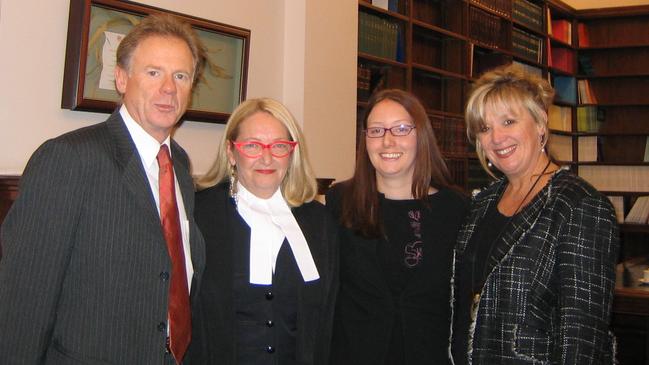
266,315
472,271
394,302
401,254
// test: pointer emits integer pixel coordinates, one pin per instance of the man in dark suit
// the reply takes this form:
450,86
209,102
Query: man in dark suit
90,274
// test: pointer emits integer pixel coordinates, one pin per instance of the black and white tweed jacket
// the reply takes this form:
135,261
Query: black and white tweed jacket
548,298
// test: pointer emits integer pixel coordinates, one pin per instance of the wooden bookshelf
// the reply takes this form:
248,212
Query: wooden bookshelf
443,45
433,62
8,193
596,60
614,62
612,56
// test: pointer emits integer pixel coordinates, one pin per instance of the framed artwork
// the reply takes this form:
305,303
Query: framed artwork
96,27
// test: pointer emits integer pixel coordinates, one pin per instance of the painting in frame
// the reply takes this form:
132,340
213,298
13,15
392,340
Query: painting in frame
96,27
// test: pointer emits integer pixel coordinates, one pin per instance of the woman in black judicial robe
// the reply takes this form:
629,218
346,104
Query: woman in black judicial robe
269,286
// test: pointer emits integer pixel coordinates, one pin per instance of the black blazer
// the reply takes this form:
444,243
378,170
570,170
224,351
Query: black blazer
83,278
548,298
213,339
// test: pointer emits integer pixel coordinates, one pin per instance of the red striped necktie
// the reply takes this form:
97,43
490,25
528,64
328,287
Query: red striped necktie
180,326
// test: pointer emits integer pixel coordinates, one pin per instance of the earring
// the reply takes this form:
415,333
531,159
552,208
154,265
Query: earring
233,185
489,164
543,143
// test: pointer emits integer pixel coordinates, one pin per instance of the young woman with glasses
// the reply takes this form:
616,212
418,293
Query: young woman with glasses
267,293
399,216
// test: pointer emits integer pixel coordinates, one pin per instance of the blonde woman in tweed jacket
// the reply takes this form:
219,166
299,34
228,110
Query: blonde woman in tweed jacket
534,266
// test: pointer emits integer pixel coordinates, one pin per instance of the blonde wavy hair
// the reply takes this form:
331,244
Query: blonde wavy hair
299,185
508,86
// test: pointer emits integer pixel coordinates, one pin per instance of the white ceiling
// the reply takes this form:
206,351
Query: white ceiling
595,4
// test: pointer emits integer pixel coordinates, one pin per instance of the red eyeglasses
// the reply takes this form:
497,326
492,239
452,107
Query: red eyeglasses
254,149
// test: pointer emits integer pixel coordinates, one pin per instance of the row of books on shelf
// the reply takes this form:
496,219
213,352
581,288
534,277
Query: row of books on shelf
379,37
622,178
638,214
572,91
527,45
560,29
468,173
531,15
582,34
391,5
451,134
364,82
485,28
371,77
561,58
560,118
528,13
565,88
501,7
589,118
587,148
482,60
586,94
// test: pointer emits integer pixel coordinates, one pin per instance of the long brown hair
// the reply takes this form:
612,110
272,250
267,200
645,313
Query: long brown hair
360,197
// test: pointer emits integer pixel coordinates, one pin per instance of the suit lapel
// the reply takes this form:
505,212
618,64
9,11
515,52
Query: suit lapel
309,294
310,232
196,242
479,207
234,231
133,174
516,229
181,168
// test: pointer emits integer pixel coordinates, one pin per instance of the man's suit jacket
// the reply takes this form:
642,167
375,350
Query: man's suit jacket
215,335
85,273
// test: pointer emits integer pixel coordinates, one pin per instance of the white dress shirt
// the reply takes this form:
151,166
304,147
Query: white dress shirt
148,148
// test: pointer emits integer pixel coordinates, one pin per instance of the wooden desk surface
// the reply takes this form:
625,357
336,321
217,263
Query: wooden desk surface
631,295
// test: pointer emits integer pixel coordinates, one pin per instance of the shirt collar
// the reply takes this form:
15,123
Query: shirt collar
252,200
270,220
147,146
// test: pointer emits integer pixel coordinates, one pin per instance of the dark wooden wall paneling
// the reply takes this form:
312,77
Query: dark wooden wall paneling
8,193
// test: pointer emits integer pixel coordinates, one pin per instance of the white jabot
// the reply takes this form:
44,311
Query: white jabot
270,221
